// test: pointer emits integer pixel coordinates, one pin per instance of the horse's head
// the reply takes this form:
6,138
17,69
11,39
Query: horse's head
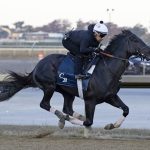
136,46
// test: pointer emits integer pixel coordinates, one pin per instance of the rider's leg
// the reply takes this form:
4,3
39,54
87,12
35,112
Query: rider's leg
75,50
78,66
79,73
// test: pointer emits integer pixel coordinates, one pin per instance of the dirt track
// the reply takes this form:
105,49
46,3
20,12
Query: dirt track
51,138
51,143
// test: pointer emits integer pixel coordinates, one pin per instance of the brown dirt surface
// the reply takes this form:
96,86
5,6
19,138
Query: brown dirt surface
52,138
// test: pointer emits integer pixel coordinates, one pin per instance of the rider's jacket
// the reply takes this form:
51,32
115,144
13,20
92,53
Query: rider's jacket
84,39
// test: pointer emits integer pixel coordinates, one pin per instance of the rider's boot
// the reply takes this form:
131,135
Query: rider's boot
79,74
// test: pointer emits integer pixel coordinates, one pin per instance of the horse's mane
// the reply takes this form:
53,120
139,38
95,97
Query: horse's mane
116,40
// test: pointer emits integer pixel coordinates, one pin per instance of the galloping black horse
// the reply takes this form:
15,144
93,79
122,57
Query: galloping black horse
103,85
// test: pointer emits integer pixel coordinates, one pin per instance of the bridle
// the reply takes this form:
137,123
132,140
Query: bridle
113,56
140,55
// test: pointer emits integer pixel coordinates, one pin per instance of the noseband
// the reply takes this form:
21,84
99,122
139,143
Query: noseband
141,55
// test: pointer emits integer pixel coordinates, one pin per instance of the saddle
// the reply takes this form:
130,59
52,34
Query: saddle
66,72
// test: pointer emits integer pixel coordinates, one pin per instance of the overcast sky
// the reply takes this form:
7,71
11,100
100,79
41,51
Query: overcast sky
40,12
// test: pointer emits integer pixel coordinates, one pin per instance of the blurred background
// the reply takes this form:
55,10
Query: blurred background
30,30
30,44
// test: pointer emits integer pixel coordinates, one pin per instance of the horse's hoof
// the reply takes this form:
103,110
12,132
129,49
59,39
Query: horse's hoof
61,123
109,126
59,114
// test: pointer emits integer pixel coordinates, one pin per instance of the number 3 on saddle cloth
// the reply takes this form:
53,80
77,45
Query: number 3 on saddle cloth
66,71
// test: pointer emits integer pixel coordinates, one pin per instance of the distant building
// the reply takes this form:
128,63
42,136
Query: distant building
16,36
53,37
56,35
35,35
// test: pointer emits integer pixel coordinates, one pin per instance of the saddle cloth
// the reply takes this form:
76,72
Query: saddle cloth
66,71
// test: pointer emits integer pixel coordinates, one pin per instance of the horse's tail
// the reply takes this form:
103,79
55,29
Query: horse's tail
13,83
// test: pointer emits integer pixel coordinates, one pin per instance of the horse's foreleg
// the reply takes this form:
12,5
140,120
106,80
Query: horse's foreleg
117,102
89,112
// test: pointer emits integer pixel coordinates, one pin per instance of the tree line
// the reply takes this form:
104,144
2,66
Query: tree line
62,26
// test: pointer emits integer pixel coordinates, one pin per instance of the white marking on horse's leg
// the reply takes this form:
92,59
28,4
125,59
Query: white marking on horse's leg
118,123
52,110
79,116
60,115
75,121
75,115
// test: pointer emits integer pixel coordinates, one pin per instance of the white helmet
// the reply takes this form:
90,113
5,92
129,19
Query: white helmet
100,28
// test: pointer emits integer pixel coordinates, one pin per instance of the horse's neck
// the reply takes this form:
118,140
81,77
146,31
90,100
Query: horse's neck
117,66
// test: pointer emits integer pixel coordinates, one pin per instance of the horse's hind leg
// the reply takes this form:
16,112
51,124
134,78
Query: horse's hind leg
68,102
68,107
45,103
68,110
48,93
117,102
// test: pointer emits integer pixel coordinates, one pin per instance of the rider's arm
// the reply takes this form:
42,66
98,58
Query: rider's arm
84,47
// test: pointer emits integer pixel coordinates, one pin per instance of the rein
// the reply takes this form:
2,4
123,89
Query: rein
142,56
112,56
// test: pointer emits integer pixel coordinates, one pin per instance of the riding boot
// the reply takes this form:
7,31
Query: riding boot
79,68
